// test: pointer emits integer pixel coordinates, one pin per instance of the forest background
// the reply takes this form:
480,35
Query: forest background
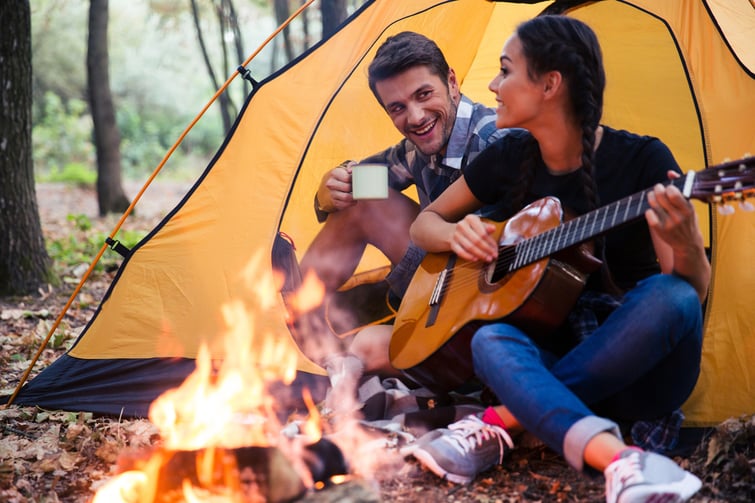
161,76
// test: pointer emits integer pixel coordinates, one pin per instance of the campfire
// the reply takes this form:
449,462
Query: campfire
221,437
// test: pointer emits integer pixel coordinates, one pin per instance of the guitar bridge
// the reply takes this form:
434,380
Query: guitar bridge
438,290
435,296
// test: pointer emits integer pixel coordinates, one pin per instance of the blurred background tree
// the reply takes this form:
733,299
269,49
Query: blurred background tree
111,197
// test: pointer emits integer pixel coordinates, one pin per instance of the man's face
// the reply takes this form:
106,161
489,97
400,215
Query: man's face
421,106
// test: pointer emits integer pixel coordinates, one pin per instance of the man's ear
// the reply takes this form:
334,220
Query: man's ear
453,86
552,83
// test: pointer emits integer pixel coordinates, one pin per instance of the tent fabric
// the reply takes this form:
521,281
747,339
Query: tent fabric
681,71
81,381
125,387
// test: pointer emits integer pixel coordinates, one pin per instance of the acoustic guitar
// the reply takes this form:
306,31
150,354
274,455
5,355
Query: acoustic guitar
542,266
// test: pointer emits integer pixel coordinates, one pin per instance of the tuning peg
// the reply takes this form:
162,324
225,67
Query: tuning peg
725,209
741,198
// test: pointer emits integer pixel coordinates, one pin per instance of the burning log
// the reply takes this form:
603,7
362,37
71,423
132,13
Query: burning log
244,474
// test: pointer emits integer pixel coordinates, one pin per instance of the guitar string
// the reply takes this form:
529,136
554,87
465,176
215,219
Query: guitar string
539,245
571,232
467,273
508,254
534,249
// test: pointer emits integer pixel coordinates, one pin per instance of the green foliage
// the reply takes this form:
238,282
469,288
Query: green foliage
82,244
143,138
61,138
158,82
80,221
72,173
58,39
59,338
147,135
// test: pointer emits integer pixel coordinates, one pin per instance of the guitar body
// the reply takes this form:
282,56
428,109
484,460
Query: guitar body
431,335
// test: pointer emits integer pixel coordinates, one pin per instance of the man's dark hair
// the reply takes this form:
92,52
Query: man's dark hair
403,51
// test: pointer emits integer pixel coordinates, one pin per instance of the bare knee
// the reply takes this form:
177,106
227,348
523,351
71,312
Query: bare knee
371,347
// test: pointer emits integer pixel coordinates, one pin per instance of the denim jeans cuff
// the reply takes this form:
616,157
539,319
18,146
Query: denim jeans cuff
580,433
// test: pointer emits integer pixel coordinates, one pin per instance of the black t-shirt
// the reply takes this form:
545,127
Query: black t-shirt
625,163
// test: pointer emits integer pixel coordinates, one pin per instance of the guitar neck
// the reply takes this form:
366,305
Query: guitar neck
582,228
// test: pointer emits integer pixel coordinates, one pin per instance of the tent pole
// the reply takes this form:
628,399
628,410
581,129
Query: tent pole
138,196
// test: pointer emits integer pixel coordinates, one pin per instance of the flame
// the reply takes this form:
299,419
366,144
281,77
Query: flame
312,428
127,487
224,404
309,295
339,479
133,485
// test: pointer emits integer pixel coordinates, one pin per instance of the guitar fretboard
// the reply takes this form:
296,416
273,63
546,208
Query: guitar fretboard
580,229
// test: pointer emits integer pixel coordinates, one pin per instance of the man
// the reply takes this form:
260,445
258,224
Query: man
442,130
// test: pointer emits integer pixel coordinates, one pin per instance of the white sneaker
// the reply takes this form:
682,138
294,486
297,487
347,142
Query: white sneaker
408,449
644,477
468,447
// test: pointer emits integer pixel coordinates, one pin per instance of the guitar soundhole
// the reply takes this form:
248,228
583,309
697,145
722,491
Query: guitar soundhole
497,270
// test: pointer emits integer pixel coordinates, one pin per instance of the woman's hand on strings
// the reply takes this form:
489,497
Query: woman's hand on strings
472,239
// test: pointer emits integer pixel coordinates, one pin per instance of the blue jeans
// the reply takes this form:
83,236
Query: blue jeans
641,363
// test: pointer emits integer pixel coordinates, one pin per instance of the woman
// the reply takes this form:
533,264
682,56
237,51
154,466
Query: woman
638,361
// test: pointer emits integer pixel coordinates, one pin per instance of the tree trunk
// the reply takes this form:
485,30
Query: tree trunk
238,42
305,27
229,108
333,14
224,103
107,139
24,263
282,12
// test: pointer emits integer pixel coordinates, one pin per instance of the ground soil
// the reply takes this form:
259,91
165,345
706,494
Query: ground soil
48,456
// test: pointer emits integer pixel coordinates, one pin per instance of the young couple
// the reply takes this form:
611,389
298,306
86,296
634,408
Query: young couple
636,329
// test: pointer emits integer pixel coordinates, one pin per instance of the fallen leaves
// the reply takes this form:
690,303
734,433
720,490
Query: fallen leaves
69,451
17,314
727,463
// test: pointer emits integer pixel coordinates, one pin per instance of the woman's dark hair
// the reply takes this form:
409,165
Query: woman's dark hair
570,47
403,51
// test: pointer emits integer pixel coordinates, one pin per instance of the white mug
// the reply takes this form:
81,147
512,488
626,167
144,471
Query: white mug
369,181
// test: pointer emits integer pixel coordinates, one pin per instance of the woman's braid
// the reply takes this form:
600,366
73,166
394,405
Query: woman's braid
526,173
559,43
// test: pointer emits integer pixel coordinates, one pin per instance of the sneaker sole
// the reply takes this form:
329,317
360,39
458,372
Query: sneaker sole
422,441
675,492
428,462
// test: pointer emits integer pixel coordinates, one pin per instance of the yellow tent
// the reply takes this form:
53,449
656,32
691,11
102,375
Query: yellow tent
680,70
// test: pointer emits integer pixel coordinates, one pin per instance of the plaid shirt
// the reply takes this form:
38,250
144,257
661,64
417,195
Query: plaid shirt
658,435
592,307
474,129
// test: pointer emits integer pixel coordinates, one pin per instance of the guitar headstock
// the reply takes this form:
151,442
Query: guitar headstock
724,184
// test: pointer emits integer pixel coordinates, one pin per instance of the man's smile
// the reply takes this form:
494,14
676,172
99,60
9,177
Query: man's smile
426,128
